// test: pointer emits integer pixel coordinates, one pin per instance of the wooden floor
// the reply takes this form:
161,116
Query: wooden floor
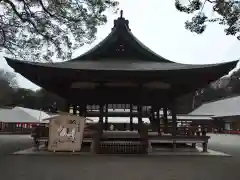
153,136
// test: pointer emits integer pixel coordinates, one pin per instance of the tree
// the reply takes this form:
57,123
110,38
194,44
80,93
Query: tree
228,15
49,102
41,29
184,104
8,84
24,98
234,84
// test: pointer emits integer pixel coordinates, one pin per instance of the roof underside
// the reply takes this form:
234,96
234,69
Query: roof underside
182,79
117,65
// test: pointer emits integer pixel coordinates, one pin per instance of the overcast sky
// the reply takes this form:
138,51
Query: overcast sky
161,27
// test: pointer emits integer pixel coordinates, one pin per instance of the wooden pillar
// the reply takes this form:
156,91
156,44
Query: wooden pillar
83,110
143,131
101,116
165,120
74,109
106,117
66,108
158,121
139,110
152,118
174,123
174,119
205,146
131,117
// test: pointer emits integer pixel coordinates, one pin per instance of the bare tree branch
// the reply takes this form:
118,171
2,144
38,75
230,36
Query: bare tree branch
14,9
229,12
44,8
53,28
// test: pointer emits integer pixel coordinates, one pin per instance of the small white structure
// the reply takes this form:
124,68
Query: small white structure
22,115
226,110
226,107
66,133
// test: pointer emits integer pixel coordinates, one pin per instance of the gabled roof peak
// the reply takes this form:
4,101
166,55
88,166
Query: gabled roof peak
121,22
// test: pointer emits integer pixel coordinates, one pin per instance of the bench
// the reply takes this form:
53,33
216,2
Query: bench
193,140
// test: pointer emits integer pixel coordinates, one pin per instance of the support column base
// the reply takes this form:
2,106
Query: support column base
204,147
174,146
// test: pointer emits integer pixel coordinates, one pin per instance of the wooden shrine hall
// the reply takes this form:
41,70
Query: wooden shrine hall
122,70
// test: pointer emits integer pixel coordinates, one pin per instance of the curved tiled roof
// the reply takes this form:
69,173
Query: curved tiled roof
221,108
121,65
121,31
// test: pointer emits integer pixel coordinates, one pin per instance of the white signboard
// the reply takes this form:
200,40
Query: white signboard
66,133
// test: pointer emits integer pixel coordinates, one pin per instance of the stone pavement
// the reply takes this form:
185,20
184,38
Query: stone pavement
124,167
13,143
118,167
164,152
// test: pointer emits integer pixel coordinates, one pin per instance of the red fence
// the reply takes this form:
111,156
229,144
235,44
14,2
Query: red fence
232,132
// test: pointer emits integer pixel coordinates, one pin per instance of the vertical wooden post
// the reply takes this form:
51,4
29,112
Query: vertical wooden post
66,108
139,110
106,117
152,118
83,110
131,117
101,116
174,119
165,120
142,129
158,121
74,109
205,146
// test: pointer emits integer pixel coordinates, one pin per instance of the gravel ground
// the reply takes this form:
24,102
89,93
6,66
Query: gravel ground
23,167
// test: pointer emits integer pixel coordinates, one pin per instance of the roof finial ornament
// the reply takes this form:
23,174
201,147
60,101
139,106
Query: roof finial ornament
121,14
121,22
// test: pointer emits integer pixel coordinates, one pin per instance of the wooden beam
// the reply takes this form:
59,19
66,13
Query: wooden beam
165,120
84,85
125,96
157,85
